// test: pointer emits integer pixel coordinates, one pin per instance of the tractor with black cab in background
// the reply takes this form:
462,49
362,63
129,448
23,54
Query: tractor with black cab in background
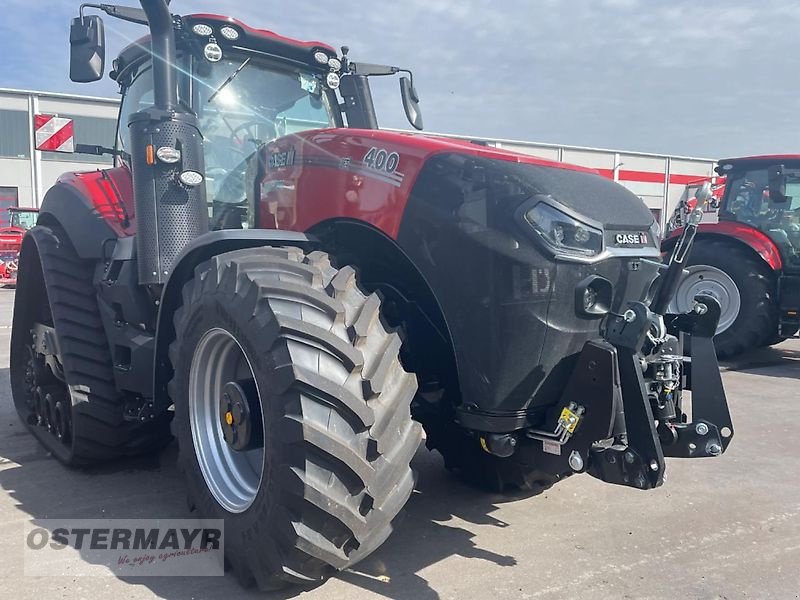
295,293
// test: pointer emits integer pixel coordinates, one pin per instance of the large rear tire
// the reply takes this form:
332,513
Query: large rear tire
307,458
76,414
749,315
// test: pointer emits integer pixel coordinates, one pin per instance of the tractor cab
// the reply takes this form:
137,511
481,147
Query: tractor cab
764,193
249,87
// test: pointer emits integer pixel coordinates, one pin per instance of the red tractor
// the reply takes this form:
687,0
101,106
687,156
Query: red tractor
750,260
301,290
19,221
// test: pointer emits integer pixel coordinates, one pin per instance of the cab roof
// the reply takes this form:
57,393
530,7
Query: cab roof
763,160
264,41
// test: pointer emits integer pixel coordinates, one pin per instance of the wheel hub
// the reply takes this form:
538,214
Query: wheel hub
225,417
705,280
240,416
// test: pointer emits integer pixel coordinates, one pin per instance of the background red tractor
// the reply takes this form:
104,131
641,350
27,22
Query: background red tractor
750,259
18,222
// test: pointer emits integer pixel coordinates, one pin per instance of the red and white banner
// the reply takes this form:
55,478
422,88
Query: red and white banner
54,134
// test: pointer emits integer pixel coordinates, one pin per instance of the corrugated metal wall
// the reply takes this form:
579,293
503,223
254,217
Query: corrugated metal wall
659,180
30,172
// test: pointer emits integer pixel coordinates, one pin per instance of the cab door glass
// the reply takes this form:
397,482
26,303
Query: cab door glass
750,203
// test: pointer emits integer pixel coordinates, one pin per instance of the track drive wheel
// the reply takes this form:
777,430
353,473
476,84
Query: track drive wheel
67,395
292,412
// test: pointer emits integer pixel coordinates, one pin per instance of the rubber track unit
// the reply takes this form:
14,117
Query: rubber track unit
337,427
464,456
757,323
55,284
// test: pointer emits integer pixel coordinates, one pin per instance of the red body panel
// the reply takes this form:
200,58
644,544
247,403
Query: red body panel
111,193
10,243
327,171
751,236
11,238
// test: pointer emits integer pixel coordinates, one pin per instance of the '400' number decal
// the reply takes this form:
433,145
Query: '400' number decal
381,160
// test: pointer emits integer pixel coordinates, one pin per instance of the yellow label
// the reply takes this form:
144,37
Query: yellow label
570,419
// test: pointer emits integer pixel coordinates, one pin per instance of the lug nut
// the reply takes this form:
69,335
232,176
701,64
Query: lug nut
654,465
630,457
701,428
575,461
713,449
629,316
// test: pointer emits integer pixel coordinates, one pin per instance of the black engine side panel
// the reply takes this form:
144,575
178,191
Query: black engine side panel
509,305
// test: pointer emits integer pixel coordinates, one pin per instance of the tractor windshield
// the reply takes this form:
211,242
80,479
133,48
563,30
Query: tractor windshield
747,201
241,102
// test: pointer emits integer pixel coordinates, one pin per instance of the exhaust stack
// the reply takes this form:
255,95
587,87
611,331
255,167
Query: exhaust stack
166,161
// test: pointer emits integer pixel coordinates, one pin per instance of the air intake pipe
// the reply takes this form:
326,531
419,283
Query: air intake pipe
166,161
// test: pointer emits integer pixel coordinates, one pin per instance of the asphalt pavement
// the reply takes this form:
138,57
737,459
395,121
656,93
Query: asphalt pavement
727,527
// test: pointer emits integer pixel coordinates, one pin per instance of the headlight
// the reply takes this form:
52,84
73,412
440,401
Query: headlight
564,233
202,29
229,33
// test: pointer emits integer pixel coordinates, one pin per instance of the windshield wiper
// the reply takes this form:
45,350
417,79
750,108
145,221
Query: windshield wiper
230,78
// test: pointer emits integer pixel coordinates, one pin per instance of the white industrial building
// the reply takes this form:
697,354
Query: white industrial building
26,173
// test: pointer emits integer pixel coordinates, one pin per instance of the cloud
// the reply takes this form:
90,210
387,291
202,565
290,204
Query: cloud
700,78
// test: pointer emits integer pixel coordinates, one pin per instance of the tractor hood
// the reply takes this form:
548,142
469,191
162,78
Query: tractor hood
461,213
372,173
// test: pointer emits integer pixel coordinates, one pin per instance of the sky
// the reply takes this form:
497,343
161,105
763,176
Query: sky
708,79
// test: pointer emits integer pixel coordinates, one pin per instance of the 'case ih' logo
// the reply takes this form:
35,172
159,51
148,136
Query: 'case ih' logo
630,239
282,159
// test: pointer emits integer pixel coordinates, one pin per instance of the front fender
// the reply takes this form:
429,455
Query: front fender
751,237
198,251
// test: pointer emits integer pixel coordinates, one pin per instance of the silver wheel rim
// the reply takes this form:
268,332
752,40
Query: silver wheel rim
709,281
232,476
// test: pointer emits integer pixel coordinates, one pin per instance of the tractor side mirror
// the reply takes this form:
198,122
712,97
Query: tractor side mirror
777,184
87,45
411,103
